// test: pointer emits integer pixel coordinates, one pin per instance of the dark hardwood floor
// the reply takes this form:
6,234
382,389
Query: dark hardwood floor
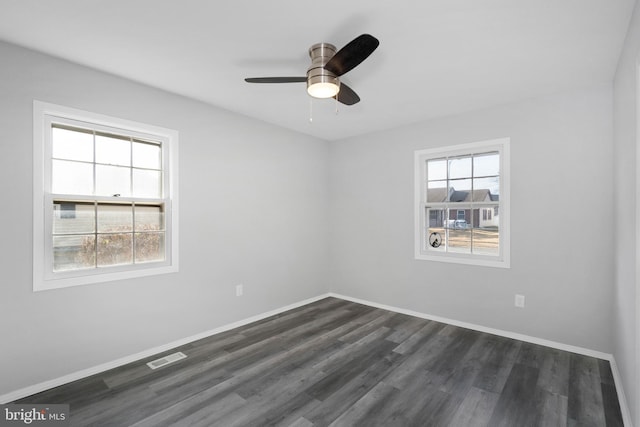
338,363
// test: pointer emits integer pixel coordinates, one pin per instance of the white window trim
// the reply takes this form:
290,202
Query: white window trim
43,279
503,260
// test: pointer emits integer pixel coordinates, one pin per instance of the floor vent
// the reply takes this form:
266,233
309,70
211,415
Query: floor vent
155,364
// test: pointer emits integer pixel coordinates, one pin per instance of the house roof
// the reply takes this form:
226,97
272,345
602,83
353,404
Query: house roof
440,195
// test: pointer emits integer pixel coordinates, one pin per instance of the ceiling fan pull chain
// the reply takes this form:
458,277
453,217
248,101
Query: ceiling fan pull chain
310,110
336,98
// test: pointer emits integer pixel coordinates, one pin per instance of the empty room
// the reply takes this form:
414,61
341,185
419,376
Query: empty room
320,214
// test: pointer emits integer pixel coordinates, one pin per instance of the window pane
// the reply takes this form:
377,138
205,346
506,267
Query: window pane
115,218
146,155
112,180
459,240
460,190
459,167
147,183
73,252
73,218
486,189
111,150
486,235
486,164
71,145
437,191
149,218
436,169
149,247
435,236
115,249
71,177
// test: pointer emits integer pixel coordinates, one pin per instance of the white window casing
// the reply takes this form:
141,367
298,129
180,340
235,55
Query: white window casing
50,209
462,227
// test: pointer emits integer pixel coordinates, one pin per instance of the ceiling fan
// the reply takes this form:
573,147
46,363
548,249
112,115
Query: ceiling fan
327,65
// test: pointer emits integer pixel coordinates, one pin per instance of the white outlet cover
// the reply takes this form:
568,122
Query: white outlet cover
519,301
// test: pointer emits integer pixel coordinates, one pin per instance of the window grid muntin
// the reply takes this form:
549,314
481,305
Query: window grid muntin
97,232
472,177
449,205
502,147
132,137
446,207
125,136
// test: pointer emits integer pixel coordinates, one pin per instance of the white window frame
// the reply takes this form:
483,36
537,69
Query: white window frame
44,278
502,146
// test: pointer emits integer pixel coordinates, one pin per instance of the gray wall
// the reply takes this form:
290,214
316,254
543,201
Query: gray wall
561,216
292,217
625,329
253,203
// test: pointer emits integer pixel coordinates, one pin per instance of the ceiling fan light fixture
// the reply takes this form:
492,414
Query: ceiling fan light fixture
323,89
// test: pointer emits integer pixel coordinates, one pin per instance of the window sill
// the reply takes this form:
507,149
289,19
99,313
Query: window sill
462,259
45,284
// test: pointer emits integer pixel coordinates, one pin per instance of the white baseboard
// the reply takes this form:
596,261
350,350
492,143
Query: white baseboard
624,408
37,388
46,385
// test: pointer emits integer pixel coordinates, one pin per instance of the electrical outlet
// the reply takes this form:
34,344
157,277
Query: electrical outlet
239,290
520,301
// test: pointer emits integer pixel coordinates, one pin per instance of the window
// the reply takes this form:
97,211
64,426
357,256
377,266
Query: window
462,203
105,201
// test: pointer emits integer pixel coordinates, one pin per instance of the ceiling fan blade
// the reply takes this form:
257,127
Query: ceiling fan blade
276,79
356,51
346,95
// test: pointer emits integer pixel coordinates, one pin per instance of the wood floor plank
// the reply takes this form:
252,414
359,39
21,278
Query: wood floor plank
199,408
339,363
367,328
585,403
516,407
552,409
554,372
612,412
402,407
341,375
476,408
420,405
408,368
532,355
351,351
301,422
366,408
406,329
352,391
417,339
460,376
494,373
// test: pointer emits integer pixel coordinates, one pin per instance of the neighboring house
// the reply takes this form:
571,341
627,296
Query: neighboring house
462,218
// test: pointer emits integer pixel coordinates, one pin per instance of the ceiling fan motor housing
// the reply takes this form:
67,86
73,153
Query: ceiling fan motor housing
320,54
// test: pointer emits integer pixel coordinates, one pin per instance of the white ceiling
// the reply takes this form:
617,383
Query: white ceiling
436,57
